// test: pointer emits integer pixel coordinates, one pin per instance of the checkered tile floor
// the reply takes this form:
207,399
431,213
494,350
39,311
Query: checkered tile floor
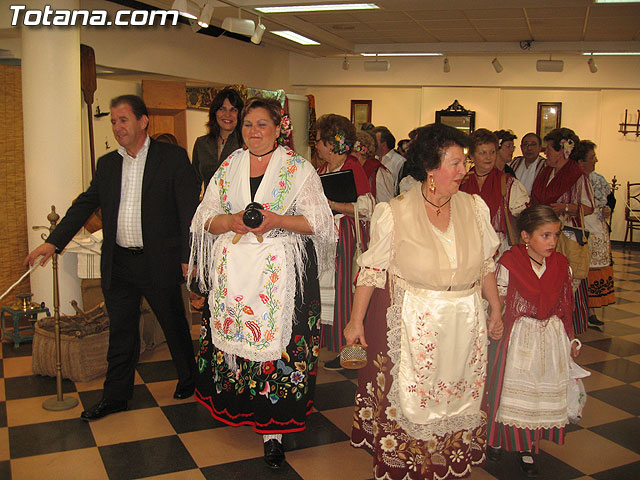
160,437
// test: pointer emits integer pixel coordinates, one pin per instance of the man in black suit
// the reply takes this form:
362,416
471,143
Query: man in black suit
148,193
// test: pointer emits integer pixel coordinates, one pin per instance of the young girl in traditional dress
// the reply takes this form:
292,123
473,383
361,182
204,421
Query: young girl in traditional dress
528,367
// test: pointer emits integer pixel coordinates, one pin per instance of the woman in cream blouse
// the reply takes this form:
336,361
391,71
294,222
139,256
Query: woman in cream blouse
418,399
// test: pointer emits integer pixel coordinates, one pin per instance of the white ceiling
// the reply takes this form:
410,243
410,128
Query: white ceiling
449,26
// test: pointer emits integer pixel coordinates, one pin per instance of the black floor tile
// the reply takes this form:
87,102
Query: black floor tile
549,467
626,472
142,398
252,469
624,397
34,386
622,432
617,346
619,368
1,368
3,414
8,351
616,328
50,437
572,427
349,373
319,431
5,470
620,301
190,417
335,395
146,458
157,371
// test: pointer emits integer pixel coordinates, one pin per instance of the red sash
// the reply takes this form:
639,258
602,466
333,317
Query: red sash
546,296
491,191
563,180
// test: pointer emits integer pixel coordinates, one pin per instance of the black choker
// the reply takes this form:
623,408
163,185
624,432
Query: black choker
535,261
259,157
438,207
481,176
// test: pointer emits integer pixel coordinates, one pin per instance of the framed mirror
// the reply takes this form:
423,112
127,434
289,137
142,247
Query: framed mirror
455,115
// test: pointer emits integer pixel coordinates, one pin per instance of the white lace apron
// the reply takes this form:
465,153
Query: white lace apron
441,358
534,390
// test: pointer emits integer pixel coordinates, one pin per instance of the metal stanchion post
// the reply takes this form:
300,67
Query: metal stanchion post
59,402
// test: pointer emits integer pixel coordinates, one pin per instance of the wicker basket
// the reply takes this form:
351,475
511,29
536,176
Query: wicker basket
353,356
83,358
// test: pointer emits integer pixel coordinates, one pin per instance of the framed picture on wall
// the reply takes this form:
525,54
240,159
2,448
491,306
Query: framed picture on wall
549,117
360,112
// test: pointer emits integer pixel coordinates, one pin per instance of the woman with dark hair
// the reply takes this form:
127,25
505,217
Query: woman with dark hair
505,150
418,399
379,176
564,186
336,137
261,325
505,196
600,277
224,136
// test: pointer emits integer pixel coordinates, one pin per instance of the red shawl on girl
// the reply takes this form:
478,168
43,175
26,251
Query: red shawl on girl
360,177
563,180
546,296
491,191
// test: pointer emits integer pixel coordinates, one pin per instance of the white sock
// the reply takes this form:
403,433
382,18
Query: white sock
526,457
277,436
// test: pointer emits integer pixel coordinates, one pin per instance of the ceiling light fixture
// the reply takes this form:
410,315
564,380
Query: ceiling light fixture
241,26
593,67
549,65
257,35
294,37
376,65
497,66
408,54
186,8
317,8
611,53
616,1
205,15
446,67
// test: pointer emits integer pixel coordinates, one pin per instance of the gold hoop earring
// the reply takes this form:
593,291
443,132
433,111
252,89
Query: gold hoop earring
432,185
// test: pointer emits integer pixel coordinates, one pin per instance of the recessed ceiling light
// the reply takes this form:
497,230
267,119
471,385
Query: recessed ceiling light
318,8
611,53
294,37
616,1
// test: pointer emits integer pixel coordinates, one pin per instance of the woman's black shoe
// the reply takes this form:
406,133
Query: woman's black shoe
273,453
593,320
494,454
528,464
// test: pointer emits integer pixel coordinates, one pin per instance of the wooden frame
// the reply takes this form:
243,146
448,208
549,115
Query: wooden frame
549,117
455,115
360,112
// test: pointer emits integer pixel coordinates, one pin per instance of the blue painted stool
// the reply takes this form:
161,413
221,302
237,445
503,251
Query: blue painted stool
16,314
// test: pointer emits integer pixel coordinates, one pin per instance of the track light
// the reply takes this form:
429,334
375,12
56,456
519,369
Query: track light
205,15
345,63
446,67
186,8
497,66
258,33
593,67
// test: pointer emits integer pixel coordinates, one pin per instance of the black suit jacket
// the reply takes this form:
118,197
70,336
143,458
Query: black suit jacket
169,199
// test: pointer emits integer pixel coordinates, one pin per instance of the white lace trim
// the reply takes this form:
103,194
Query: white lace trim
372,278
419,431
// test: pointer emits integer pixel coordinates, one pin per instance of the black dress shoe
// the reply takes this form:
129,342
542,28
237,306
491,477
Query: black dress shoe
593,320
494,454
528,464
103,408
273,453
184,391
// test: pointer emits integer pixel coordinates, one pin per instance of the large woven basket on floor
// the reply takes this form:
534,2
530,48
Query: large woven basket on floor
83,358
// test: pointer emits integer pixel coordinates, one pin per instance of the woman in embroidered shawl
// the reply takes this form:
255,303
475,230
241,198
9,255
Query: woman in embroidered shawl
336,137
564,186
418,399
499,190
600,277
261,325
528,367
